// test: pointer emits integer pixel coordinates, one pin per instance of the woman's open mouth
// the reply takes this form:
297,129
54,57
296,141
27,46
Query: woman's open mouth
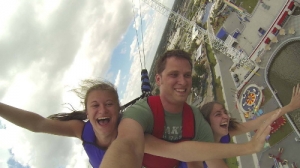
103,120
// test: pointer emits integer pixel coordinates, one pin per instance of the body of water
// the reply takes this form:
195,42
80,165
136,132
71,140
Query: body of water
284,73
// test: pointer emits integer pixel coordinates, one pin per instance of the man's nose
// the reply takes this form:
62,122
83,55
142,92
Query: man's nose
182,80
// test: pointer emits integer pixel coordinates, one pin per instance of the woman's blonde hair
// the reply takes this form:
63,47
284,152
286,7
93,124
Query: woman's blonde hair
86,87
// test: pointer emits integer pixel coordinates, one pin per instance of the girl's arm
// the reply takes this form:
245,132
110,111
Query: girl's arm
255,124
36,123
189,151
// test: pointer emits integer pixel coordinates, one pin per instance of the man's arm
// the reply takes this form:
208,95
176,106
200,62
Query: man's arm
189,151
128,148
198,164
217,163
255,124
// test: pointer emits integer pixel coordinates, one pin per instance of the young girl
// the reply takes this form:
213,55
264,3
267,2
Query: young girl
101,108
224,127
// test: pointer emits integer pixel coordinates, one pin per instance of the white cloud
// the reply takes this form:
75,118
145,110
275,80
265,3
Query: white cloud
117,81
4,154
46,49
7,9
45,9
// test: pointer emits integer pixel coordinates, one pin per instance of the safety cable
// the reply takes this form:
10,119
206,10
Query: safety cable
137,36
142,33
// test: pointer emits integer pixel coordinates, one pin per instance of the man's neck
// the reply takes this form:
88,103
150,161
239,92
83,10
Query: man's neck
171,107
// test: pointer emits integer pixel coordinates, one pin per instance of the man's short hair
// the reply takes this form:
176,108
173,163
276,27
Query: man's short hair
161,62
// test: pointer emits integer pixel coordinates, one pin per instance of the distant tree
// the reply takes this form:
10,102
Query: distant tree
197,3
194,46
200,69
155,91
204,26
196,81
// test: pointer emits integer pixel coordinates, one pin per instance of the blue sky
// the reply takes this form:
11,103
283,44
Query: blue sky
121,61
47,47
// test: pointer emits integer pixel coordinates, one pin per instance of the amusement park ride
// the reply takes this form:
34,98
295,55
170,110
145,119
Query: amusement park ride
278,162
294,165
281,163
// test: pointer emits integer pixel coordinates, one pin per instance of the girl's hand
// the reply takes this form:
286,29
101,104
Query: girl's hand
295,100
262,134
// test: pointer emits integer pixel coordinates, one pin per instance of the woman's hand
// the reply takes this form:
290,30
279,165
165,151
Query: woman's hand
295,100
263,133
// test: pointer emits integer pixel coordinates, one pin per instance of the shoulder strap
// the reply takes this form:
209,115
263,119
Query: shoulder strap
188,123
158,116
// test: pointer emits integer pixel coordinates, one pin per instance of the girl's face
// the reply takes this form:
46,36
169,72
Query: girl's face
103,111
219,121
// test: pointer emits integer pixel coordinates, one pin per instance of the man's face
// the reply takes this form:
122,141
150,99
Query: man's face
175,81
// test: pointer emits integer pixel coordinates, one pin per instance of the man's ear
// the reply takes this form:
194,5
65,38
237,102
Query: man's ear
157,79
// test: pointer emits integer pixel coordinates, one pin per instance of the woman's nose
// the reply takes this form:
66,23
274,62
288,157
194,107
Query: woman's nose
102,109
225,116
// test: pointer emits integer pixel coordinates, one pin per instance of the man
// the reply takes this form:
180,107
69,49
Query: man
173,77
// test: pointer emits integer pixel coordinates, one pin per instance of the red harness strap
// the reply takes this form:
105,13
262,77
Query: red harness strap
188,132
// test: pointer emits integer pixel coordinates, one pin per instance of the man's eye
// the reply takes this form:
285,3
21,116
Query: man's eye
108,104
188,76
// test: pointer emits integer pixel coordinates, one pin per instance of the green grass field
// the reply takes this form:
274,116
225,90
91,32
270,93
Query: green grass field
219,91
248,5
232,162
218,23
282,132
267,95
217,82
